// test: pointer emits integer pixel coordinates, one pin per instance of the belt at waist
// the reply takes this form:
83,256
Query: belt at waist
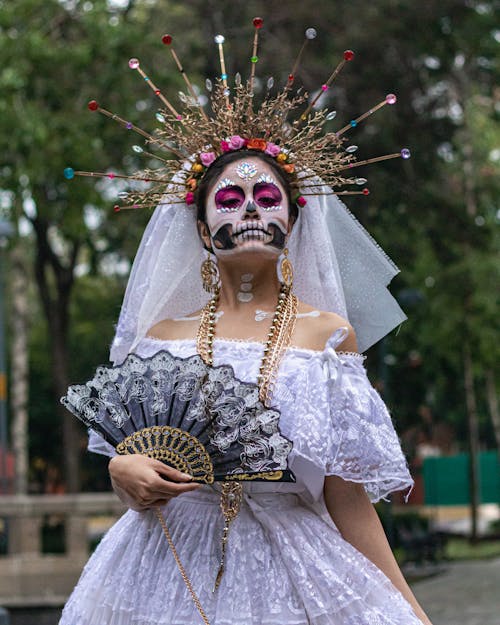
211,496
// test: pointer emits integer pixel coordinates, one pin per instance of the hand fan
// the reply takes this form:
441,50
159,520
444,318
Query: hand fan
200,419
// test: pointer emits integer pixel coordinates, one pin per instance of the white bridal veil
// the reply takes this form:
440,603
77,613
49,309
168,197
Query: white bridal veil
338,267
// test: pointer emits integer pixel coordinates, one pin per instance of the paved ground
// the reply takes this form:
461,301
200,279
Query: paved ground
468,593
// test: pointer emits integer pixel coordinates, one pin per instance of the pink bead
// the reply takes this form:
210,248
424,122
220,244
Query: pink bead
133,63
390,98
178,118
324,87
111,176
301,201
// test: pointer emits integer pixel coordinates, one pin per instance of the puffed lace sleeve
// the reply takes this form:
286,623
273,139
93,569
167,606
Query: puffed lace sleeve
363,445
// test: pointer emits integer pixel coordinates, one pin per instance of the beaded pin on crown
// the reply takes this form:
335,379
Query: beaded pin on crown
193,139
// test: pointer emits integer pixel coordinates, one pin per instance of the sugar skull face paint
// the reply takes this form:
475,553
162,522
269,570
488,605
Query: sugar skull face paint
250,214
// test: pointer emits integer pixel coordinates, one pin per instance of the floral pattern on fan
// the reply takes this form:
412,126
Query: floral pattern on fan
198,418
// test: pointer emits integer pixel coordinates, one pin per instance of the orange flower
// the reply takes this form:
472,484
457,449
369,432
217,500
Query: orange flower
289,168
191,184
257,144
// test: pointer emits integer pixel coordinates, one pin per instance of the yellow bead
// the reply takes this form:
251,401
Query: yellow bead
282,157
197,167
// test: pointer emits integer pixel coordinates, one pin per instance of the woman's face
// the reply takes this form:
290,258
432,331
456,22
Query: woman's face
247,210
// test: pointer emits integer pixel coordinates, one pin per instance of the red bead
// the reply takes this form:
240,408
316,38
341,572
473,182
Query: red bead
111,176
157,91
301,201
167,39
116,208
366,191
348,55
92,105
258,22
291,78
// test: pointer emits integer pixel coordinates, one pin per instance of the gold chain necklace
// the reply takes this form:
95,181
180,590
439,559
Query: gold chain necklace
278,338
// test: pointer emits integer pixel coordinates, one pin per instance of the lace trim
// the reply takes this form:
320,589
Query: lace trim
253,343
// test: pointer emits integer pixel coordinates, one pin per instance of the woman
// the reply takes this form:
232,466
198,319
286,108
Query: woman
312,552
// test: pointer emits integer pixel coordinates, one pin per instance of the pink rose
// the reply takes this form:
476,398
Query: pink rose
236,142
207,158
224,146
189,198
272,149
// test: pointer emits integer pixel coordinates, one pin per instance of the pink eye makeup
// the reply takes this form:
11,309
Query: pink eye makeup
267,196
229,199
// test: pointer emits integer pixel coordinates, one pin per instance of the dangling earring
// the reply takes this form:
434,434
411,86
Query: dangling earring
286,270
210,275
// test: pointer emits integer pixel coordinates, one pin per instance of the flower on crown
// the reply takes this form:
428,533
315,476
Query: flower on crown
310,155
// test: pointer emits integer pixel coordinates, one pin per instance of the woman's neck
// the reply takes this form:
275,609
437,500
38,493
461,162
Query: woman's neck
248,285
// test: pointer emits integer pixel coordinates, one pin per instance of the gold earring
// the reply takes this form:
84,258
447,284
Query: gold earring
210,275
286,270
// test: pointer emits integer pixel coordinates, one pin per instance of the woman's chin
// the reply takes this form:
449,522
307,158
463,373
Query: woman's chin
250,247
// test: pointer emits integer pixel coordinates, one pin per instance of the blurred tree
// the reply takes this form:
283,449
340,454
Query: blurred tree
56,55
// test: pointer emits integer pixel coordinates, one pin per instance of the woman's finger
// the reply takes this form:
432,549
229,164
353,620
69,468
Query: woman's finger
170,472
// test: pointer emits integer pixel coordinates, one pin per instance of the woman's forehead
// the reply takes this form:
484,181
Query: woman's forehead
246,172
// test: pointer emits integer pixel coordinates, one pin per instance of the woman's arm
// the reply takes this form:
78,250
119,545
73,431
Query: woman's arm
358,522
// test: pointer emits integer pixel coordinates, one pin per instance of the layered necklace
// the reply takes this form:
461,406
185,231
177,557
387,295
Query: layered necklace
278,338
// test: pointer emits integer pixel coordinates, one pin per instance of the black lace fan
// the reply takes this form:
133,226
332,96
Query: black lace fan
197,418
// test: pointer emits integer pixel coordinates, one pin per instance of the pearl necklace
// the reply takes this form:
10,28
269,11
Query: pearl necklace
278,338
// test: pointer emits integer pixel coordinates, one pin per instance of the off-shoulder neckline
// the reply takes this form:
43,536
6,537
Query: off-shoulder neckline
253,343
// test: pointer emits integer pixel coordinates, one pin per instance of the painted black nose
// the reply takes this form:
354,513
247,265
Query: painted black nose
251,208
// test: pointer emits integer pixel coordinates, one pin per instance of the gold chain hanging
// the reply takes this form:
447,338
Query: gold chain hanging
180,566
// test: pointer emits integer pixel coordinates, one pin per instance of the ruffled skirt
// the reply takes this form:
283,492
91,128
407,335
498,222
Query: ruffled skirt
285,565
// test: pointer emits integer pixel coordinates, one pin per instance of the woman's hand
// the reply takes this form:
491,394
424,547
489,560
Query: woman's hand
140,481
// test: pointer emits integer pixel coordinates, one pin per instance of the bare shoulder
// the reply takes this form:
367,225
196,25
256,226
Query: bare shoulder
314,328
172,329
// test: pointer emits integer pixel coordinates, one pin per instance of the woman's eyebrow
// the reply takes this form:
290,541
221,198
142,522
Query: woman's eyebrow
226,182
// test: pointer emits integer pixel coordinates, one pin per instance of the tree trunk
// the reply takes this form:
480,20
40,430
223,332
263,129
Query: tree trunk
470,399
19,367
492,397
55,283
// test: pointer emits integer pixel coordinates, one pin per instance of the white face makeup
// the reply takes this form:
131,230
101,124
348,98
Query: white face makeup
247,209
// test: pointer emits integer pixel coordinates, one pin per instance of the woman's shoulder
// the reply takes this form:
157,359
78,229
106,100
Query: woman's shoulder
175,329
314,328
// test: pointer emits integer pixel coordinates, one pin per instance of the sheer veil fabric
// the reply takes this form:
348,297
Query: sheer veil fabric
338,267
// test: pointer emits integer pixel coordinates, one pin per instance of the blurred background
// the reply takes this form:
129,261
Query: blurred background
65,255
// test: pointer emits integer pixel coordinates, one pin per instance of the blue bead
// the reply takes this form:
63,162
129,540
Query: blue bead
353,123
69,173
224,76
146,78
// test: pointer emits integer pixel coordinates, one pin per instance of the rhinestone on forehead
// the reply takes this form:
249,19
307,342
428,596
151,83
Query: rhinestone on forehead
246,170
266,178
225,182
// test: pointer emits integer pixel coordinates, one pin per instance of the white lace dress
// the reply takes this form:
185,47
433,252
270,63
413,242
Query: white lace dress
287,563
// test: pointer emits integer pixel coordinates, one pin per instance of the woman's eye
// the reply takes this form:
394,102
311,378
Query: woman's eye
267,195
228,200
267,200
